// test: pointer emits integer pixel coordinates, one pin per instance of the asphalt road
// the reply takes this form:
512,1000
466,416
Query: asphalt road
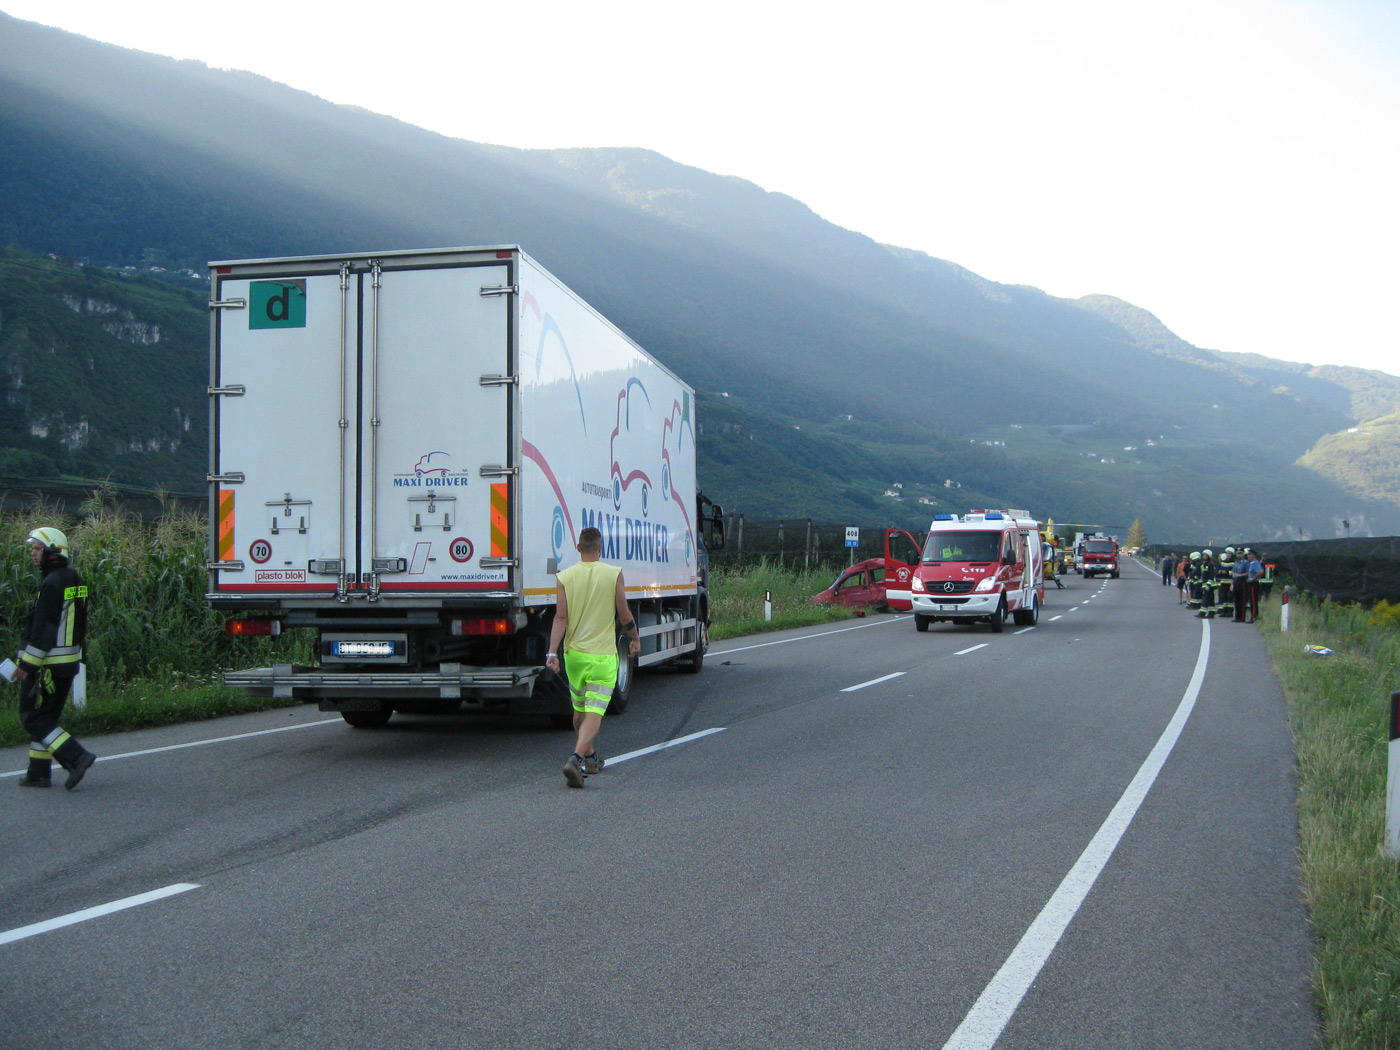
1077,835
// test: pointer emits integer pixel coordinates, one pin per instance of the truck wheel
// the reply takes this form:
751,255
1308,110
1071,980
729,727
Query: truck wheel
1028,617
369,719
626,671
1115,575
697,659
920,623
999,617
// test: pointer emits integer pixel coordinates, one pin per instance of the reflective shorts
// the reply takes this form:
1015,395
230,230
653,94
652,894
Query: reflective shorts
592,679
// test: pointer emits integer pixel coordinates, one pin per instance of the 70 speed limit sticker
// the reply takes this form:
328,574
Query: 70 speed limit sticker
260,551
460,549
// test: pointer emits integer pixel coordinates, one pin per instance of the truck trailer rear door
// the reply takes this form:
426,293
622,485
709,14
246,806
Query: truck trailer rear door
281,466
439,468
362,421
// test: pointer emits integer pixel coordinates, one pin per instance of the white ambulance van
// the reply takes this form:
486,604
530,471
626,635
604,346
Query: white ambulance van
980,567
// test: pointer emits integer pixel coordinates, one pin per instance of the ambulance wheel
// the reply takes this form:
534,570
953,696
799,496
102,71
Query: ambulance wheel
1028,617
999,617
369,719
920,623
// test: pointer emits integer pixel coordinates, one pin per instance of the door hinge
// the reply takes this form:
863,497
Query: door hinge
499,472
498,563
500,289
226,566
227,304
233,390
233,477
500,380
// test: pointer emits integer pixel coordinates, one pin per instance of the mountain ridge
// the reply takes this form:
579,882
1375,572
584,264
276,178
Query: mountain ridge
853,365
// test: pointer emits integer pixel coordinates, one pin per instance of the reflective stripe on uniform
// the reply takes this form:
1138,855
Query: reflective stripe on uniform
592,678
56,739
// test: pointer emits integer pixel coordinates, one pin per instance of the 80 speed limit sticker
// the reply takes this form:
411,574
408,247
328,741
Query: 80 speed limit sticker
460,549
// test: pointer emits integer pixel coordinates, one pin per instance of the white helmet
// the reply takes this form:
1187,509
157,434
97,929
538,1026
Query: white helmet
52,540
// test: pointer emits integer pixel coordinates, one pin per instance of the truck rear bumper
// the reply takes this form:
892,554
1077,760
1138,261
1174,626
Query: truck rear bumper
448,682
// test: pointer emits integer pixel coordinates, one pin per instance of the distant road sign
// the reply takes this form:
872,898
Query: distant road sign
853,536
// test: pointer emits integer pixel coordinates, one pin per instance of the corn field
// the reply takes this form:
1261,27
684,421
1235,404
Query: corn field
147,617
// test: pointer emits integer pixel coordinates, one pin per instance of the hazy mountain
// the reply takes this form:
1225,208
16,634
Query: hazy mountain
828,367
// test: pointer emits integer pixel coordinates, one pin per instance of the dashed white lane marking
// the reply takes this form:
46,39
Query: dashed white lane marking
1023,630
874,681
984,1023
964,652
202,743
1054,618
72,918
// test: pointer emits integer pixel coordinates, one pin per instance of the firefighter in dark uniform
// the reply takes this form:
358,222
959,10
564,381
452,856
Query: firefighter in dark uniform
1193,583
1208,584
51,649
1225,582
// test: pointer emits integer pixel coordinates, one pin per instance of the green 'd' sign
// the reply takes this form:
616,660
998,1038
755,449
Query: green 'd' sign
277,304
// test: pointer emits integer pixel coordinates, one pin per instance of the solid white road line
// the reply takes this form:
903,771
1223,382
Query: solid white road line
93,913
804,638
663,746
202,743
983,1025
964,652
874,681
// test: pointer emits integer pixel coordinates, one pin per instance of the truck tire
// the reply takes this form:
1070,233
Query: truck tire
626,671
920,623
369,719
998,618
697,659
1029,617
1115,574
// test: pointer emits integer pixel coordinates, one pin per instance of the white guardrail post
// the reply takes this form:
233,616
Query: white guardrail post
1392,784
1283,609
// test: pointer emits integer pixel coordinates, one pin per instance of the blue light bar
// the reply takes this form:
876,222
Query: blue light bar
994,515
943,517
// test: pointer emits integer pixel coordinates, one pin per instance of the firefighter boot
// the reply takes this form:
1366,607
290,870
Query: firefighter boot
75,758
40,771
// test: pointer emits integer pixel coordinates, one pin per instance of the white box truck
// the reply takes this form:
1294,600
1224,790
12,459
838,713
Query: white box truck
404,448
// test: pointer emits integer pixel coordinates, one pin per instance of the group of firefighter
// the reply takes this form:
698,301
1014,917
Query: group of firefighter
1212,585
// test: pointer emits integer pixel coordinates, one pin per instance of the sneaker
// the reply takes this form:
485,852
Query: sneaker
573,772
30,780
594,763
80,766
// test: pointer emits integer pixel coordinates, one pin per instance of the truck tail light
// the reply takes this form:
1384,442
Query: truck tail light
494,626
253,628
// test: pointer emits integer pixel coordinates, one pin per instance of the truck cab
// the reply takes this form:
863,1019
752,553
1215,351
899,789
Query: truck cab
980,567
1100,556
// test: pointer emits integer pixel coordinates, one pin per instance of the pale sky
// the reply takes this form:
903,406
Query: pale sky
1232,166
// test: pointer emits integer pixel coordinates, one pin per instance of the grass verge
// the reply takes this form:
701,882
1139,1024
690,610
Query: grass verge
140,705
737,600
1340,706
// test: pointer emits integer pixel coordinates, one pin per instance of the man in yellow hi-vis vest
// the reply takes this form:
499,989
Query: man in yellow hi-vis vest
589,598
